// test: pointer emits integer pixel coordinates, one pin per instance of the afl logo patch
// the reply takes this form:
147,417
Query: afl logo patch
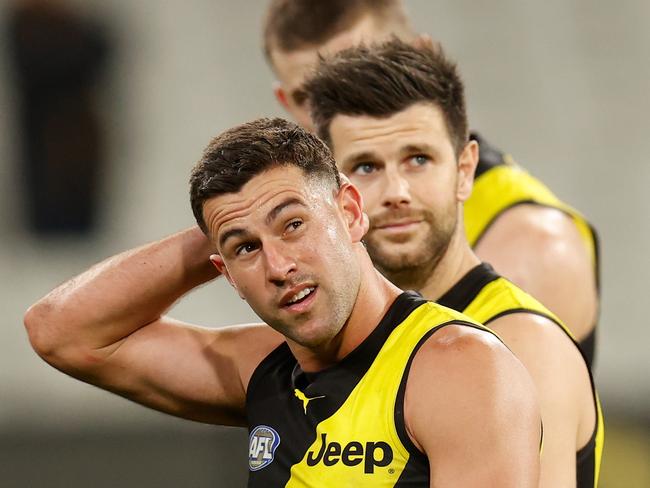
262,443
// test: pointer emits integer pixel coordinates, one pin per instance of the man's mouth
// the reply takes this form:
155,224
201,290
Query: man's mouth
299,299
398,226
301,295
398,223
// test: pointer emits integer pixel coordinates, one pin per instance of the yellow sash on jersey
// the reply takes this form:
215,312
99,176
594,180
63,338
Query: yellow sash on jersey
501,296
359,446
506,185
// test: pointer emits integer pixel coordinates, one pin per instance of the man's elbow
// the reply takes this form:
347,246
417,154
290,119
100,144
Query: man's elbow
35,320
47,336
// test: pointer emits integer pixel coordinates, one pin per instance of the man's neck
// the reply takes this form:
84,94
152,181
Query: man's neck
455,264
375,297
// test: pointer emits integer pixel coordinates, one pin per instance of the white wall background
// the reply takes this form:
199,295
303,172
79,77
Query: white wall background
561,85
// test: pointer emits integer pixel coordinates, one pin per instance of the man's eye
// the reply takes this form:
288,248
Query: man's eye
299,98
364,169
293,225
419,160
246,249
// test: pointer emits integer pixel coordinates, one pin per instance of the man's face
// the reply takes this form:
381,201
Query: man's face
293,67
284,243
412,185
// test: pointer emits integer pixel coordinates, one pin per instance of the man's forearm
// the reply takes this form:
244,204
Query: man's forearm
121,294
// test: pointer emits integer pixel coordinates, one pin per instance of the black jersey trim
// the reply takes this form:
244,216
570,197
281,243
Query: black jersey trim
459,296
400,424
357,362
505,209
588,347
582,455
399,310
596,239
589,351
588,344
276,355
489,156
586,463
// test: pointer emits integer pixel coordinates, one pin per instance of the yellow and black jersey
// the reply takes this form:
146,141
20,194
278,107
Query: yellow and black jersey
484,296
501,184
344,426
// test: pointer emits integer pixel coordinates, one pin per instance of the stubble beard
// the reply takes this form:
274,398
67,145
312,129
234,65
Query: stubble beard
336,304
412,271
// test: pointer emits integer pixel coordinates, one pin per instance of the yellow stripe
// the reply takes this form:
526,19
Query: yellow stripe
503,186
368,414
501,296
600,441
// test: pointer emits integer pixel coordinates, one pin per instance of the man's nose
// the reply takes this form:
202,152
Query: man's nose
396,191
280,263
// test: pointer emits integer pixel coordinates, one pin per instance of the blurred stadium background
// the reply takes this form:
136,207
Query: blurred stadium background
561,85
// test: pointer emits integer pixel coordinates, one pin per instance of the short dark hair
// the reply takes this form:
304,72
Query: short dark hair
294,24
235,156
384,79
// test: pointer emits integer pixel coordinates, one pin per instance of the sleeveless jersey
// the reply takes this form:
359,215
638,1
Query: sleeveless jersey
501,184
344,426
485,296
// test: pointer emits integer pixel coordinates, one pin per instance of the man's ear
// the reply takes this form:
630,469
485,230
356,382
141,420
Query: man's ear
280,94
467,162
351,204
218,263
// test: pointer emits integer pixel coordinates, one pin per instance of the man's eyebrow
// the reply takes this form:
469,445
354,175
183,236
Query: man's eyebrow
364,156
417,148
275,211
236,232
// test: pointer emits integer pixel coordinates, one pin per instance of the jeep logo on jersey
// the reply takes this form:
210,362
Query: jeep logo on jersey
371,454
262,444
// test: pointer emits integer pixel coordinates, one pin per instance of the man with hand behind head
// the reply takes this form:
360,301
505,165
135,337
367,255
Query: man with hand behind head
351,379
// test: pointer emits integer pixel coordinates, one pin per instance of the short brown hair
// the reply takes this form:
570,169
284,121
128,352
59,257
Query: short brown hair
384,79
294,24
237,155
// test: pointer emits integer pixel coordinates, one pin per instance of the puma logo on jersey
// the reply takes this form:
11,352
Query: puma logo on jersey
305,401
372,454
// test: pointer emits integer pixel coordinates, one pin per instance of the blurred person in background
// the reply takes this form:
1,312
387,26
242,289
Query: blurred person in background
58,56
512,220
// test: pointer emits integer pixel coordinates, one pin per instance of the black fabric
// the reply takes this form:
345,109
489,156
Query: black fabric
488,155
585,464
588,344
588,347
459,296
271,401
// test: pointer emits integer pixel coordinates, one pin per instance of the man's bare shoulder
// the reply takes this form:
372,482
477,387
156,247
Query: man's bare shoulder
455,349
467,392
548,353
538,226
541,250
